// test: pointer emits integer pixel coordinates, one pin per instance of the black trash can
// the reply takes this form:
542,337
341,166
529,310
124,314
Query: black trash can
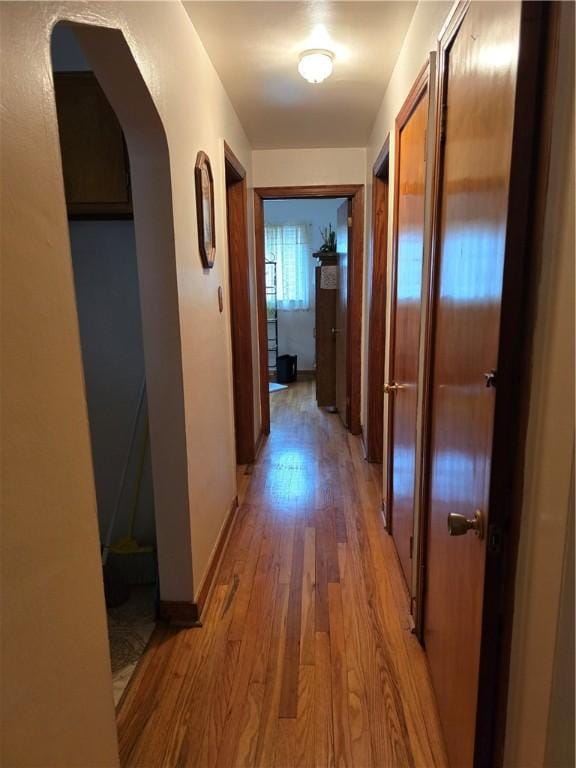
287,369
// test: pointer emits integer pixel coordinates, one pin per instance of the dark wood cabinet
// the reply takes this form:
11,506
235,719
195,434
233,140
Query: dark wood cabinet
94,156
326,300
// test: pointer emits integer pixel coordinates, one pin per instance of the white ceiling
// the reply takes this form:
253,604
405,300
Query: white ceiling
255,48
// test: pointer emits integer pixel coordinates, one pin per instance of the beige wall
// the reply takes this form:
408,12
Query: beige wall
560,746
298,167
56,670
540,648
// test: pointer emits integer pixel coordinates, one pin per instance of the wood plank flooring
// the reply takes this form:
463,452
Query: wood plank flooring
306,656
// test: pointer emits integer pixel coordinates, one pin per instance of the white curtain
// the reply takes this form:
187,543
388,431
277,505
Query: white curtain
289,245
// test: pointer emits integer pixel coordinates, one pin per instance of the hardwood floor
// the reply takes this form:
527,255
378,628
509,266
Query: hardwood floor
305,657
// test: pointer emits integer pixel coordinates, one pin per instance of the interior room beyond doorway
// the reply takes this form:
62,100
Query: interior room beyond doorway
295,230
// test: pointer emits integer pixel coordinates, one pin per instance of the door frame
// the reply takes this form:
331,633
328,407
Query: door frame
421,84
355,193
527,201
240,314
374,444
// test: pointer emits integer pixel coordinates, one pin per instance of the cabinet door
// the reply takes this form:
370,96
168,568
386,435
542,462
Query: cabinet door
325,343
94,159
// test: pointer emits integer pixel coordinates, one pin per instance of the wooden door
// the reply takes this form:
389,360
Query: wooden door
240,317
402,385
478,71
377,320
341,327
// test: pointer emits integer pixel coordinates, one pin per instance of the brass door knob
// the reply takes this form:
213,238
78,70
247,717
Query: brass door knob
458,525
392,387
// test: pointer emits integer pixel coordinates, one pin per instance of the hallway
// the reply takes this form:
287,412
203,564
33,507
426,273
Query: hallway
306,655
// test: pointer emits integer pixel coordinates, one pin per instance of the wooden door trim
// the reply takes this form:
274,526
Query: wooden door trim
354,314
262,313
373,444
311,191
233,163
240,314
382,158
355,193
412,100
529,164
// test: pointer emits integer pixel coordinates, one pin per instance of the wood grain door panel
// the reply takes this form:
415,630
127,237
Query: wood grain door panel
240,313
478,77
411,129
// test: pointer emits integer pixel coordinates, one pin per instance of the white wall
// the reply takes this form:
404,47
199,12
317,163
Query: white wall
296,327
56,667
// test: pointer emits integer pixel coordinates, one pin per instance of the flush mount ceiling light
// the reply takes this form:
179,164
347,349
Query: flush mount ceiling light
316,65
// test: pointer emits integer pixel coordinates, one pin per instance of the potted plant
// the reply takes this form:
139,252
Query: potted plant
329,240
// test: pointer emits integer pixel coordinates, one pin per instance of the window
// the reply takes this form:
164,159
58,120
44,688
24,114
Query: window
289,245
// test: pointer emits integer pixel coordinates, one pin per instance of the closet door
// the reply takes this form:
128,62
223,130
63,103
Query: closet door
481,199
402,385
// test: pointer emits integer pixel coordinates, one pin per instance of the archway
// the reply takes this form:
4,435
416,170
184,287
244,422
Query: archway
112,62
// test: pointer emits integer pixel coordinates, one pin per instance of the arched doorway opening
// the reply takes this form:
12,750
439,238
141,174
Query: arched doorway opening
138,397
